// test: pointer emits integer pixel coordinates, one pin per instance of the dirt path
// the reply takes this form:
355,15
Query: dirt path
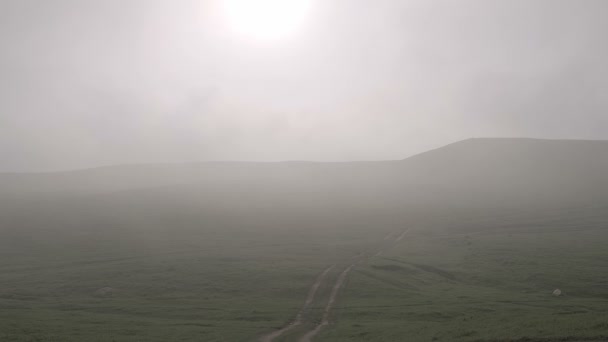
299,317
387,247
330,304
402,236
338,286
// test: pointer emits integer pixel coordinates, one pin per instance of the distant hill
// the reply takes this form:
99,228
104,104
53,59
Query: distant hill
488,171
490,177
543,170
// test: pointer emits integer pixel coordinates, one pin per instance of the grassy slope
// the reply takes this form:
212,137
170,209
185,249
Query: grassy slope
485,279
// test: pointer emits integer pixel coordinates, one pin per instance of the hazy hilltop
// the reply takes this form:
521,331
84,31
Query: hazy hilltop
473,170
490,175
518,169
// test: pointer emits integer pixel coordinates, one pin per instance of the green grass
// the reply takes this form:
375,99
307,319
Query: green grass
177,284
488,280
460,277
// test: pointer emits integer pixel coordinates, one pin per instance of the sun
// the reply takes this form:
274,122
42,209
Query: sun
265,19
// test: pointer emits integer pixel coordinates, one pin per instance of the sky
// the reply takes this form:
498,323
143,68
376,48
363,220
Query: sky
87,83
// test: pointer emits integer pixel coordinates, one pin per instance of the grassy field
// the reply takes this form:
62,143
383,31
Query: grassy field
484,279
187,276
221,282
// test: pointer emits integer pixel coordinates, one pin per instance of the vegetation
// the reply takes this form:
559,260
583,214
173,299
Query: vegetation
229,251
487,280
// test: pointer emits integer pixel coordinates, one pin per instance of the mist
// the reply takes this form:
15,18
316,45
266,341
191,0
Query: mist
90,83
303,170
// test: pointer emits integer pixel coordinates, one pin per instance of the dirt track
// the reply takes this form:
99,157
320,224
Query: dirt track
299,317
332,298
330,303
338,286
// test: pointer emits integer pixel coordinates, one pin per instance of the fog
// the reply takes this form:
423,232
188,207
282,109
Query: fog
303,170
88,83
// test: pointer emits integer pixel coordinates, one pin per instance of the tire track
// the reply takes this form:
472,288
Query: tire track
402,235
338,286
394,242
330,304
299,317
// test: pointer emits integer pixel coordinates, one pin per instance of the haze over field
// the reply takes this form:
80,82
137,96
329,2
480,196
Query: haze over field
303,170
187,251
92,83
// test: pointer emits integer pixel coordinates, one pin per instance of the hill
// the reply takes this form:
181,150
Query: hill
228,251
474,171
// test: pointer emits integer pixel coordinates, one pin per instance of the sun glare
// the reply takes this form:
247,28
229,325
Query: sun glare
265,19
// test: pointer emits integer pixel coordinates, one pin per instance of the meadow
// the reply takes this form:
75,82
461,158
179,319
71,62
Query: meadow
467,277
227,281
485,279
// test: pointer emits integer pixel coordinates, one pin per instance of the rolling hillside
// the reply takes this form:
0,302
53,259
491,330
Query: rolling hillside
227,251
468,171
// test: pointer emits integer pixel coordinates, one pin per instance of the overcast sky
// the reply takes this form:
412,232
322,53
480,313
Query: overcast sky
88,83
